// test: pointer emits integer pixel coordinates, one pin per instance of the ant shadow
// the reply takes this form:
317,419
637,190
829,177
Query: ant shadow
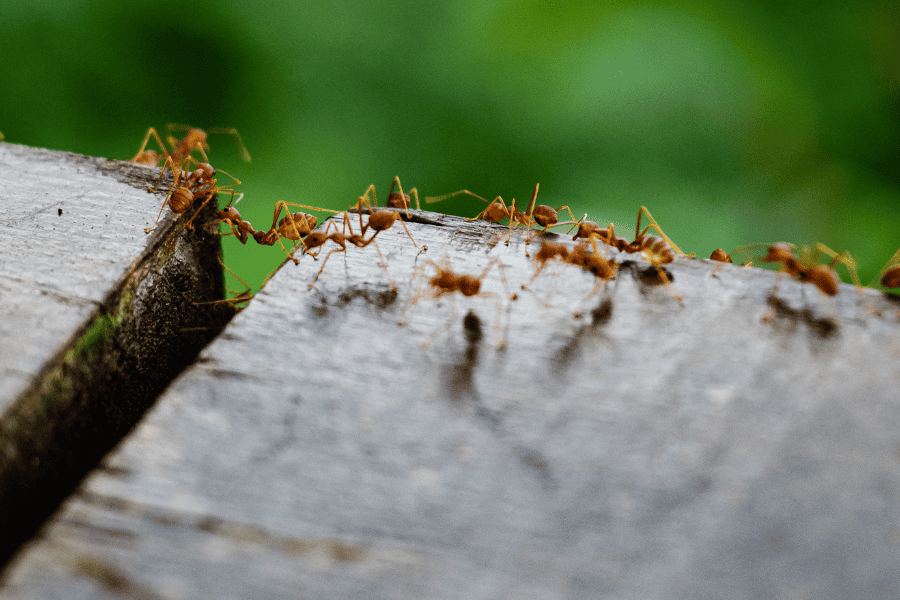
785,319
380,299
570,351
457,379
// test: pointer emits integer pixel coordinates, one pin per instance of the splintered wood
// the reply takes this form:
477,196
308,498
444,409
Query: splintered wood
644,436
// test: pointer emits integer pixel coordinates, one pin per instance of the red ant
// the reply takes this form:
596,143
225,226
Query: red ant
584,255
194,139
806,267
240,228
198,185
382,220
395,199
543,215
293,226
657,251
317,239
446,281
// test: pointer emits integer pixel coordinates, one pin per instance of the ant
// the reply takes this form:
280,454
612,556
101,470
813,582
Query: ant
395,199
200,184
317,239
806,267
446,281
240,228
641,242
194,139
382,220
293,226
543,215
584,255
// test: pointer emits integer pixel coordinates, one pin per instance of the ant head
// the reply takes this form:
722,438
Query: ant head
586,228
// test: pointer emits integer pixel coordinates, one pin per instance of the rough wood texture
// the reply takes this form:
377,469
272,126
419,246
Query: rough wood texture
96,318
644,450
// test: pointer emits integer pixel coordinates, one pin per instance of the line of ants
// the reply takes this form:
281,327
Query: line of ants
196,181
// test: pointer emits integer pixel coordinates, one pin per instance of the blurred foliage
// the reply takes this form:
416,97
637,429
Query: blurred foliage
735,122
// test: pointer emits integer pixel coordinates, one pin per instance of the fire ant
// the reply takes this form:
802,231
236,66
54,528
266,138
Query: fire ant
293,226
395,199
806,267
446,281
229,215
317,239
200,184
383,220
194,139
543,215
585,255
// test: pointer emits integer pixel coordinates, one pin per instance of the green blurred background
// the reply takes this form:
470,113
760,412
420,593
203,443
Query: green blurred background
734,122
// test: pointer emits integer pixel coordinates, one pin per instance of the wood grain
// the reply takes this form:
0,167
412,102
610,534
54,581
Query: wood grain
345,442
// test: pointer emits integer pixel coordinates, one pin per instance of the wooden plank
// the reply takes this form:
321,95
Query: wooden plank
93,317
647,449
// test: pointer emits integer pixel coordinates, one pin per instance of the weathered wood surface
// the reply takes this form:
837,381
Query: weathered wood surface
93,318
645,450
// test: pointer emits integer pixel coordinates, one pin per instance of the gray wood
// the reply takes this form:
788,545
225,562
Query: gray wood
94,318
647,449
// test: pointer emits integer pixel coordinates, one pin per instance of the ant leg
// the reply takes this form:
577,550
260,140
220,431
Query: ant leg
415,192
237,138
371,240
844,258
402,195
168,162
365,197
496,261
343,248
178,174
150,132
653,224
